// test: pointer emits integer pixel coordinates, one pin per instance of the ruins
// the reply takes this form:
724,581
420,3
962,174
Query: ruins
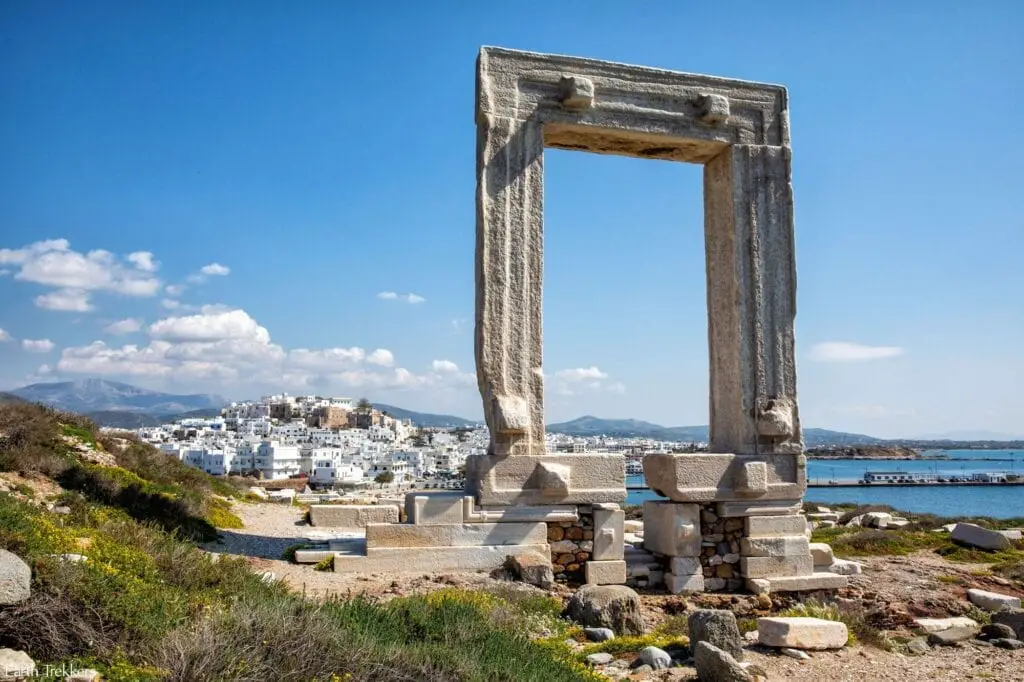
732,516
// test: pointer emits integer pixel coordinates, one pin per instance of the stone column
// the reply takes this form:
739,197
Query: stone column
509,276
751,270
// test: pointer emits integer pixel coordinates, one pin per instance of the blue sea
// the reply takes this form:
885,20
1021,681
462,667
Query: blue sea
995,501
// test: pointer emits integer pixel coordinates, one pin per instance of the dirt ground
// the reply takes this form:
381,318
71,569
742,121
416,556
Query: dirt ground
901,588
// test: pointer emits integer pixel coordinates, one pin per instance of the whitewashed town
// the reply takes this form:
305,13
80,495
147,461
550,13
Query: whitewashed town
345,443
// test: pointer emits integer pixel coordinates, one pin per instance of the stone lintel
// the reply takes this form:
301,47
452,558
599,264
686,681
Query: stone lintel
760,508
546,479
454,535
725,477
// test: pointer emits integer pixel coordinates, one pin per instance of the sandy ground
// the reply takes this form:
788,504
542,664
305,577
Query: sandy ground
899,588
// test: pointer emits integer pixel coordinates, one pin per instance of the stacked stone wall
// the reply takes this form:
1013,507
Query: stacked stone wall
720,550
572,545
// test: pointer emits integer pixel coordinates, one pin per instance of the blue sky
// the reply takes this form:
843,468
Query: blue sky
243,198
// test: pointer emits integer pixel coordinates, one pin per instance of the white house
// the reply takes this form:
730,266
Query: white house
276,460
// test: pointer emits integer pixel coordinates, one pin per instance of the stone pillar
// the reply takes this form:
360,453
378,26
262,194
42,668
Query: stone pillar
751,270
509,276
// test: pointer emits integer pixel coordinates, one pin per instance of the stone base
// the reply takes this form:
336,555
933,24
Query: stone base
351,515
803,583
435,559
546,479
605,572
454,535
726,477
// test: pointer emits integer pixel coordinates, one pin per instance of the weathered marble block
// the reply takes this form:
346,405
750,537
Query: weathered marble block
671,528
546,479
722,477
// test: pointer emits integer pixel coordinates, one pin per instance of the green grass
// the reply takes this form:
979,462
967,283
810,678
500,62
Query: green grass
848,542
83,432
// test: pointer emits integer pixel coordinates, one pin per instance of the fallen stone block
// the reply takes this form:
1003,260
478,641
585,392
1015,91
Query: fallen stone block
846,567
952,636
821,553
605,572
992,601
600,658
531,569
351,515
896,524
312,556
976,536
875,519
802,633
716,627
931,625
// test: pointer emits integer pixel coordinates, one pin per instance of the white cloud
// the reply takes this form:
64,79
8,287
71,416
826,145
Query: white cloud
843,351
381,357
581,374
4,336
444,366
67,300
170,304
230,346
125,326
37,345
394,296
215,270
175,289
143,260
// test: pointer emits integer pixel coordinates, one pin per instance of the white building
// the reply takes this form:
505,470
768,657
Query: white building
276,460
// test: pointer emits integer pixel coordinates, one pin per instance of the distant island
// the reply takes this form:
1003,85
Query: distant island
864,452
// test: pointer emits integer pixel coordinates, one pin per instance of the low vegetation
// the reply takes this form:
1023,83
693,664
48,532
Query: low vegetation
858,621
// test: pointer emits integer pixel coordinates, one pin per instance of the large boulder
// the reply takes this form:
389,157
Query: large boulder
718,628
15,579
976,536
1013,618
715,665
16,665
802,633
607,606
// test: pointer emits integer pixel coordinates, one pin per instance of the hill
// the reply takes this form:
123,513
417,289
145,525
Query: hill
425,419
100,395
135,420
633,428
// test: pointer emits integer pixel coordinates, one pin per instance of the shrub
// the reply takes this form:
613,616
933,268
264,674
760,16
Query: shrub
883,542
325,564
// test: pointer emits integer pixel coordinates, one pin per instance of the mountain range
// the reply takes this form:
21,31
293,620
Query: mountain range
111,403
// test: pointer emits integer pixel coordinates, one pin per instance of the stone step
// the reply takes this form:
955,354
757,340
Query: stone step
800,583
434,559
455,535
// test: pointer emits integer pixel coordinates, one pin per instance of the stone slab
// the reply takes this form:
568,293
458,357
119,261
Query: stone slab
758,508
351,515
776,567
802,633
931,625
794,545
775,526
435,559
546,479
434,507
845,567
992,601
684,584
685,565
312,556
605,572
803,583
976,536
672,528
717,477
455,535
821,552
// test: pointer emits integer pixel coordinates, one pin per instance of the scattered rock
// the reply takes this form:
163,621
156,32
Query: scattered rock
717,628
875,519
62,510
15,579
607,606
997,631
642,669
856,521
976,536
715,665
802,633
992,601
821,553
930,625
952,636
918,646
16,665
70,558
600,658
846,567
1004,643
1013,618
795,653
268,576
897,523
531,569
603,634
657,658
